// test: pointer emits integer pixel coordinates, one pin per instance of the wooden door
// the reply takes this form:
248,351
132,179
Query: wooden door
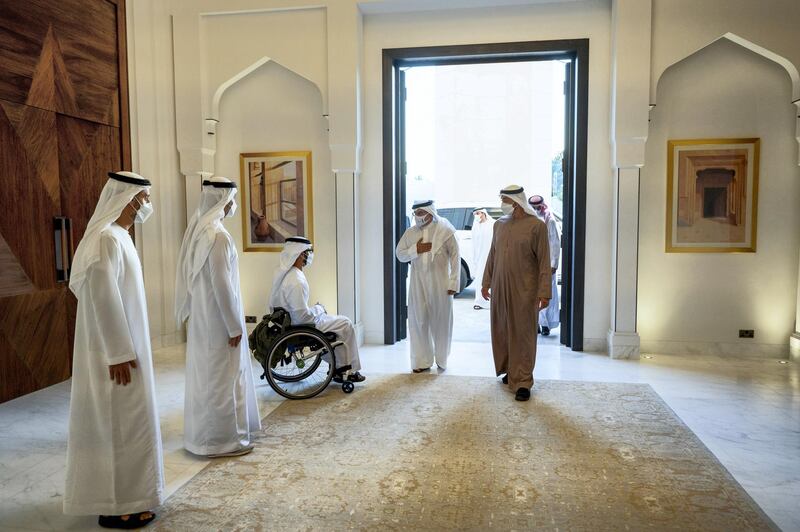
63,126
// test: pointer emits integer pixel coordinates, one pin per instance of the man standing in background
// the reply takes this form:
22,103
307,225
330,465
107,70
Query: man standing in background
482,231
549,317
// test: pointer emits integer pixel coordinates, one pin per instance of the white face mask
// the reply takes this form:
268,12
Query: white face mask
144,212
309,258
419,220
231,211
507,208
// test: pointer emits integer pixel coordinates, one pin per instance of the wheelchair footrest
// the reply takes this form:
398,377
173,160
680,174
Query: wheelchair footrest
343,369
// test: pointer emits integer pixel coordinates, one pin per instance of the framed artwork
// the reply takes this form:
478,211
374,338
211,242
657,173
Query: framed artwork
276,198
712,195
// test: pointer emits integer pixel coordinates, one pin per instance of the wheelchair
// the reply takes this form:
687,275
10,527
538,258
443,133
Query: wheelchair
299,361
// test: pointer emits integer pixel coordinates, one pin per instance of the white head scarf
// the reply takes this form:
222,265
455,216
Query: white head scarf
517,194
117,193
199,238
442,229
292,249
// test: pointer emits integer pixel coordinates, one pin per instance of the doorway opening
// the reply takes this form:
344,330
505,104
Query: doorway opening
470,130
460,123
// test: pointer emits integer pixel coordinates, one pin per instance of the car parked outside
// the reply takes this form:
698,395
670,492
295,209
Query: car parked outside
460,215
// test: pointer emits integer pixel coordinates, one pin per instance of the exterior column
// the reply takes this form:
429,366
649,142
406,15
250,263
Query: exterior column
623,338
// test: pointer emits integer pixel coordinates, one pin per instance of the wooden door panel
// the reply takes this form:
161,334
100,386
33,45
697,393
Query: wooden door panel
61,56
63,126
28,164
34,341
86,153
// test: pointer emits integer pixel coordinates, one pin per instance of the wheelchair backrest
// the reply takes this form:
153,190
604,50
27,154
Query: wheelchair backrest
263,336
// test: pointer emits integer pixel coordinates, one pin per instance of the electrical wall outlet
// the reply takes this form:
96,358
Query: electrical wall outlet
250,319
747,333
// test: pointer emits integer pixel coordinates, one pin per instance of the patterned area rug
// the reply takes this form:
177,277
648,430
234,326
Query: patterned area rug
428,452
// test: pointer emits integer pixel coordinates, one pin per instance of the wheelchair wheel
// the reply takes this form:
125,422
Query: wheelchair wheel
301,363
348,387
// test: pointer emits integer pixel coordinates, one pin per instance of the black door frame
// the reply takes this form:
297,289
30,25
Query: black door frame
574,223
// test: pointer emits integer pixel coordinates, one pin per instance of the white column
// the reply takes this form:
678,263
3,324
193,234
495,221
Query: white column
623,339
794,340
346,277
630,93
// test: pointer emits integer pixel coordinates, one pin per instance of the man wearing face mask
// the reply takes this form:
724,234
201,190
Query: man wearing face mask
290,291
114,457
517,279
549,318
221,410
431,248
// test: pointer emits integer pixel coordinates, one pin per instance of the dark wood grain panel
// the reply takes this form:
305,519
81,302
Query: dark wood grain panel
27,211
61,56
87,152
63,126
13,279
35,340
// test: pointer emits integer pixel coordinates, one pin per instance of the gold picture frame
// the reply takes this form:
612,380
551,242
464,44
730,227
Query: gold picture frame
712,195
277,199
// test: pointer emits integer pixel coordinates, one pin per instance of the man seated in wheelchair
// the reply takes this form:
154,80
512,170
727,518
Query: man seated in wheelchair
290,291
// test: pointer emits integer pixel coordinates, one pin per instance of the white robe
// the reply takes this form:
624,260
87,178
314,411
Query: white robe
292,295
481,244
114,457
549,316
430,307
221,409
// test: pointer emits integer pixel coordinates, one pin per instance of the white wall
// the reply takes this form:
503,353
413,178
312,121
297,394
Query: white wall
722,91
155,156
274,109
470,26
681,27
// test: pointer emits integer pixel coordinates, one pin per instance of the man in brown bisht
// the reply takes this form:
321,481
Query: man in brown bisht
517,278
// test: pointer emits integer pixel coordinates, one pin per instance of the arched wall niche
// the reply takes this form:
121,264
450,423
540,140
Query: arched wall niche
693,302
788,66
272,108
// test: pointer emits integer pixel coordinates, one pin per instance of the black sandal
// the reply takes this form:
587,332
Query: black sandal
126,522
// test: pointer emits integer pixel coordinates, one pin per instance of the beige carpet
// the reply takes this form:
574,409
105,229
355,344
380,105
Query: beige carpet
428,452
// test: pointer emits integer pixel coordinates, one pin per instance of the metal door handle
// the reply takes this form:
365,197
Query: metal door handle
62,236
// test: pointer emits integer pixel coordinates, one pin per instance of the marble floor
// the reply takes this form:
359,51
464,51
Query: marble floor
745,410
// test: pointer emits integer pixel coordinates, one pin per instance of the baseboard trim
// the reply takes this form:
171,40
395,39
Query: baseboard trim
167,340
682,347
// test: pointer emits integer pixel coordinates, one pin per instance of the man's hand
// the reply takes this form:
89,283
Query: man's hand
234,342
423,247
485,293
451,292
121,372
543,302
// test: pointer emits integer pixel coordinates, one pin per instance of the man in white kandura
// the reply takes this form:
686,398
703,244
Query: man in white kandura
114,457
290,292
431,247
482,231
549,318
220,410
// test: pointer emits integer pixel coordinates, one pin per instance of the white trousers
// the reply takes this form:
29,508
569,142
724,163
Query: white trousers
549,317
346,354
